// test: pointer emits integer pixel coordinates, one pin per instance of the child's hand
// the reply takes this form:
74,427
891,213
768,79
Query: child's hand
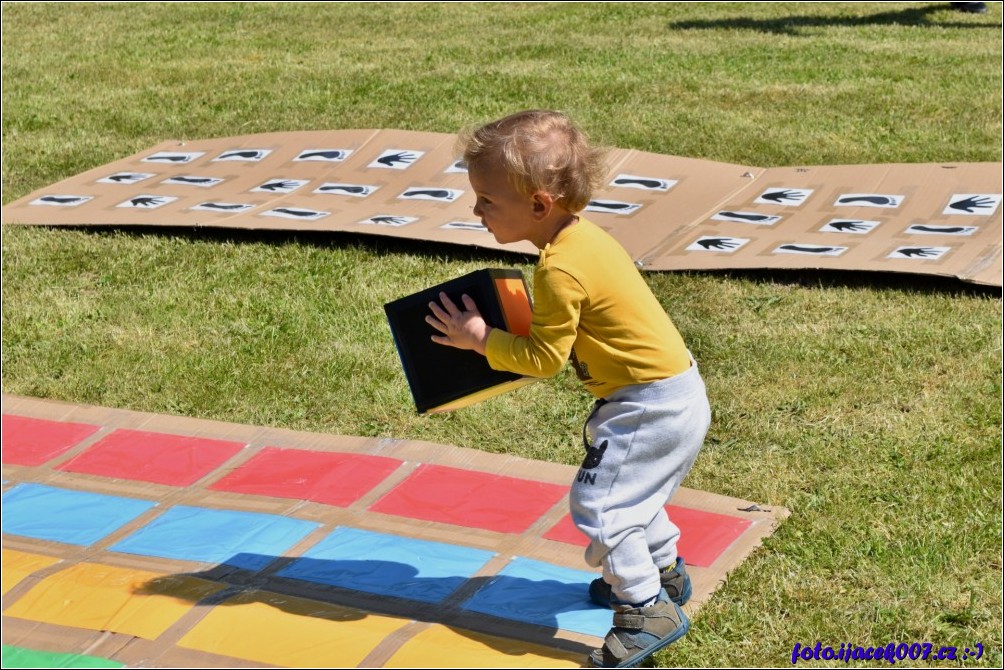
461,329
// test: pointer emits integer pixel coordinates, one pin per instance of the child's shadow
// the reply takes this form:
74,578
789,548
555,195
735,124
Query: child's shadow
501,607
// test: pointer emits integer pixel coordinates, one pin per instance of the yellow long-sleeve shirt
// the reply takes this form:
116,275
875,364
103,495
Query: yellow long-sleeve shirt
591,303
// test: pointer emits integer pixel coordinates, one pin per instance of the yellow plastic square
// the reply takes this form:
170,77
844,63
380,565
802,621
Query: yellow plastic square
19,564
443,647
290,632
102,597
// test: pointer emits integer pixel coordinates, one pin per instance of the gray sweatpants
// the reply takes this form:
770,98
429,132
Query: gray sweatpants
643,441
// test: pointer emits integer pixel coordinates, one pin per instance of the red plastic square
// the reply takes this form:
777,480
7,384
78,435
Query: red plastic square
331,478
470,499
34,441
153,457
703,535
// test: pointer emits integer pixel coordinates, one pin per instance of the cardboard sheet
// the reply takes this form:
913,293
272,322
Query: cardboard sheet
213,574
669,212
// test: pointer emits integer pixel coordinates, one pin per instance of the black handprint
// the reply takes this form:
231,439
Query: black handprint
971,203
747,217
331,155
147,201
278,185
848,226
806,250
647,183
389,220
922,252
125,177
779,196
723,243
404,157
873,199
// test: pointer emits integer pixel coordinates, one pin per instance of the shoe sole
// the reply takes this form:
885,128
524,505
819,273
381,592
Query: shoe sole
632,661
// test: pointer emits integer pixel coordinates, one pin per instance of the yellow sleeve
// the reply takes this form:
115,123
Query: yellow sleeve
557,302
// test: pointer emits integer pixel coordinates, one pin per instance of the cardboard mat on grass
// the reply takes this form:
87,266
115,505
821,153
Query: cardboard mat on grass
152,540
669,212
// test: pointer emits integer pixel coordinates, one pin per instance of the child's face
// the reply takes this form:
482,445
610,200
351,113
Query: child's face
508,214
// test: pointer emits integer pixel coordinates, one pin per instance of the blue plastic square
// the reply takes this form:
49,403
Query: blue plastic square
388,564
246,540
543,594
63,515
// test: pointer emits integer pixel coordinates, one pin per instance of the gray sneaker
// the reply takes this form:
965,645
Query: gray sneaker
674,579
639,632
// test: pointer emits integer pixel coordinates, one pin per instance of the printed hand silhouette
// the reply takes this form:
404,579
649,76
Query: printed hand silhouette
971,203
389,220
403,157
281,185
849,226
923,253
147,201
779,196
718,243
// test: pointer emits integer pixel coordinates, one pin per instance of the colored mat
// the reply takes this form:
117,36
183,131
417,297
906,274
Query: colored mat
153,457
19,657
358,552
34,441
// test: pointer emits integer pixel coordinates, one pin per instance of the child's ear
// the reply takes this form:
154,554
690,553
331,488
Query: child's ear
543,203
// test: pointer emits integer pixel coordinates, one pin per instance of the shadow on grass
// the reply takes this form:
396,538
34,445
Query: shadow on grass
438,252
791,25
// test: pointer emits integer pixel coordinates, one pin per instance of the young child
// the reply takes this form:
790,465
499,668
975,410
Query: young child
532,172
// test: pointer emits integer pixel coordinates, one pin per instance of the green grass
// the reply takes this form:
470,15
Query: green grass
869,405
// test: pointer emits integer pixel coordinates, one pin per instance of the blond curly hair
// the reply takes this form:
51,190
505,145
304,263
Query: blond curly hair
540,150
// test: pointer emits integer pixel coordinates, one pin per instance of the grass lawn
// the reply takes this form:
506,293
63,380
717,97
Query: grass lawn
868,404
